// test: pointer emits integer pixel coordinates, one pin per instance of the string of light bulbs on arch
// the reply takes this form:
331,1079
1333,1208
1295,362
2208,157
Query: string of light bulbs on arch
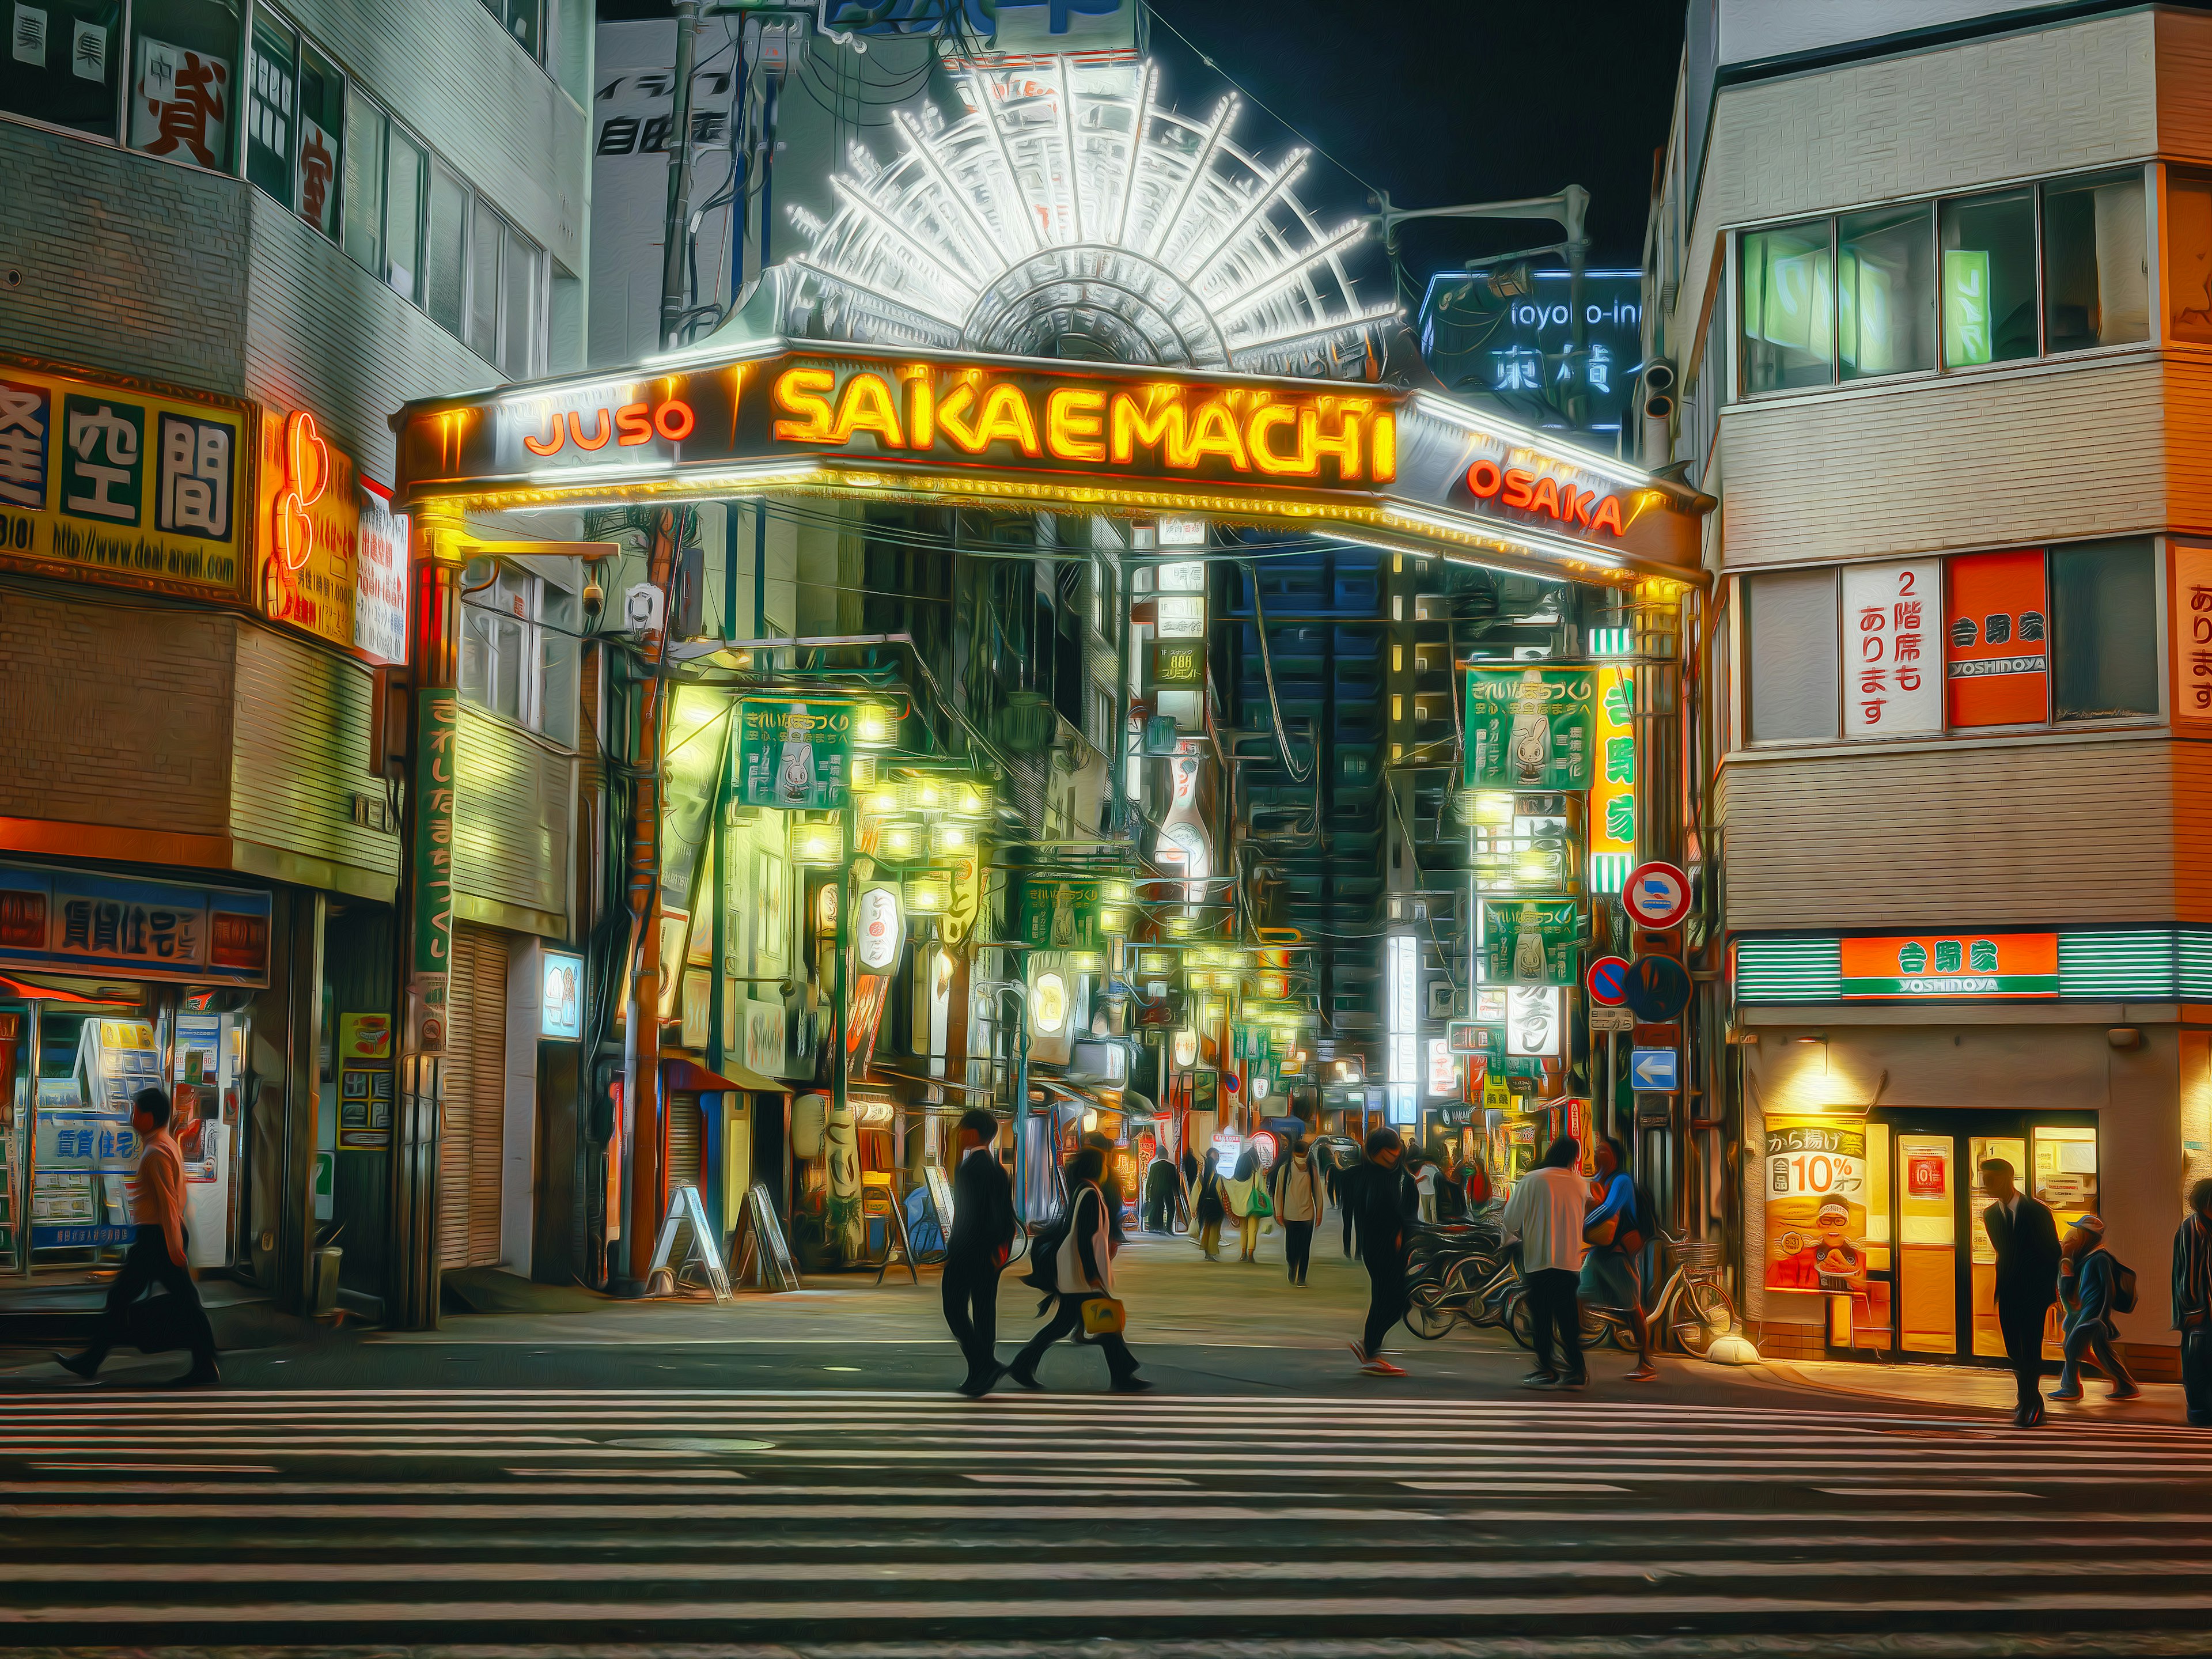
1070,214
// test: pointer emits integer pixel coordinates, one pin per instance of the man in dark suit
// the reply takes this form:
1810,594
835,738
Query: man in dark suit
2026,1239
983,1228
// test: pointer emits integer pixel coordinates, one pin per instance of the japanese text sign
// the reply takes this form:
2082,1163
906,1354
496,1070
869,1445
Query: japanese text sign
1891,687
430,949
1612,790
1062,915
2190,607
794,755
99,482
1529,941
1997,655
1942,967
332,557
77,922
1816,1215
1530,728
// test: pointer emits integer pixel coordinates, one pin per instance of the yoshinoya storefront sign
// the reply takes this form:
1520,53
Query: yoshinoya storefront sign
113,480
1936,967
1411,468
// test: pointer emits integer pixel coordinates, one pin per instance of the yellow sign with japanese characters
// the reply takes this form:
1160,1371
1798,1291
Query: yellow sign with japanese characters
102,481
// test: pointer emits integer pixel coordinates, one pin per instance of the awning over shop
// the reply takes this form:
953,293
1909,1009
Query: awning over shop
1387,466
682,1076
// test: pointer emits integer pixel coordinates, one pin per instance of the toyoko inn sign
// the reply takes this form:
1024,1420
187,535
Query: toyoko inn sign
1400,467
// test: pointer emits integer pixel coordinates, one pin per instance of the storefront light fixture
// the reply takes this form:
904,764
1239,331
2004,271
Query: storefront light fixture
948,838
819,846
1493,807
1114,892
874,726
1113,921
928,894
925,795
1156,961
902,841
970,801
1086,962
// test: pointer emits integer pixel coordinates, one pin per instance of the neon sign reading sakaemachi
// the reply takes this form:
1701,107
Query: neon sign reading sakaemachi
1157,428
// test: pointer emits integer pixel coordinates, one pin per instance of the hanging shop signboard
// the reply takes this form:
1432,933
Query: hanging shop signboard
1530,728
437,735
1060,915
1533,1021
1939,967
1530,941
775,414
102,481
76,922
1613,787
793,754
332,558
880,929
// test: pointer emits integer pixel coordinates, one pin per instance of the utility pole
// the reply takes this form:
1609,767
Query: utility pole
676,230
641,1044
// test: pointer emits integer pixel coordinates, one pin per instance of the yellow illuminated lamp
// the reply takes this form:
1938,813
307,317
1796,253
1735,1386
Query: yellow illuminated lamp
821,846
1048,1002
929,894
1179,923
1155,961
901,840
874,726
887,801
951,838
971,800
1493,807
1114,892
1113,921
925,795
1274,985
864,771
1086,962
1535,868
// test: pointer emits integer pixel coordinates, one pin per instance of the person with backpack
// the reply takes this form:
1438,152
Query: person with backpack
2192,1303
1083,1280
1248,1202
1206,1206
1299,1202
2101,1288
1616,1229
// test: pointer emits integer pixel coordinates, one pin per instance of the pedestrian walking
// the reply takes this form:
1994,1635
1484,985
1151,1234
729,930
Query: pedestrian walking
1613,1241
1247,1197
1378,1188
1299,1203
1546,1214
1205,1204
1340,1193
156,1255
983,1228
2026,1239
1159,1196
1086,1281
1425,1183
2090,1307
2192,1303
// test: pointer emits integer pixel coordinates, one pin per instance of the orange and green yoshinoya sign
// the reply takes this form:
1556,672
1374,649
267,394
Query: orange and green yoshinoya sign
1940,967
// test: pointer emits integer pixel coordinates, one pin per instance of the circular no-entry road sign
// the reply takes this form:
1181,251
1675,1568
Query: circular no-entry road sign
1656,894
1607,981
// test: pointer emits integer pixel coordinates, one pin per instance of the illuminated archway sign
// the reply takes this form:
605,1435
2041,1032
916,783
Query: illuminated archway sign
1397,469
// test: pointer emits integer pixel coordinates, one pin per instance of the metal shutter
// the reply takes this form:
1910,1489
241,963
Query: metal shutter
683,1137
474,1100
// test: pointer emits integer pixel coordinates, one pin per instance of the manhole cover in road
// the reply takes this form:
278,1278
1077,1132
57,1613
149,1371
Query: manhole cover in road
691,1444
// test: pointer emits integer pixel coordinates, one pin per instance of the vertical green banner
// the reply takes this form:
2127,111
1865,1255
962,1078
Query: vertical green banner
430,950
1531,728
1530,941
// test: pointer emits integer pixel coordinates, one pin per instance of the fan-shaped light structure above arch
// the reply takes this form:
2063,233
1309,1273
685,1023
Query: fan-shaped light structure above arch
1069,215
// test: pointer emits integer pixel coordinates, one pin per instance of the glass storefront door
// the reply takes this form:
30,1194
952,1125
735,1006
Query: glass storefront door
1946,1268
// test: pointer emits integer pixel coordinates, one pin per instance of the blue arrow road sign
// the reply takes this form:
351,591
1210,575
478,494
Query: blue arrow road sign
1655,1071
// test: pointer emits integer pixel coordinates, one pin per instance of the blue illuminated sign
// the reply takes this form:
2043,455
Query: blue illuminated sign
1508,333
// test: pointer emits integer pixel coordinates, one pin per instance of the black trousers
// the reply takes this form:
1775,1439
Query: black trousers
1298,1248
1386,1300
1554,1312
1346,1212
1067,1320
2196,1374
971,1313
147,1262
2022,1326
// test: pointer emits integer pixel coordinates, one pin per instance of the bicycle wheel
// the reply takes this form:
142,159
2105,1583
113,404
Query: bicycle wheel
1519,1321
1429,1321
1702,1315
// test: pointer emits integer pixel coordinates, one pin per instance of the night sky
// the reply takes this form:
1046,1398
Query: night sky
1450,102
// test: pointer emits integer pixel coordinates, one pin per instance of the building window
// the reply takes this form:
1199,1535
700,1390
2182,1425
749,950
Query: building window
2104,602
2189,256
294,109
1789,620
272,86
2096,267
2060,267
1789,307
184,92
59,65
1988,279
1884,292
519,647
383,231
524,19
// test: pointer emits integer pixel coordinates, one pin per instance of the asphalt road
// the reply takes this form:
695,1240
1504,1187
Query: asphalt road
641,1481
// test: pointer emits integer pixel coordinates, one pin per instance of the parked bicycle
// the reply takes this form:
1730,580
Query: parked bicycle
1482,1289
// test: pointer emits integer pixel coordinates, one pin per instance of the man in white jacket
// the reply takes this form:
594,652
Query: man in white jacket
1546,1214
